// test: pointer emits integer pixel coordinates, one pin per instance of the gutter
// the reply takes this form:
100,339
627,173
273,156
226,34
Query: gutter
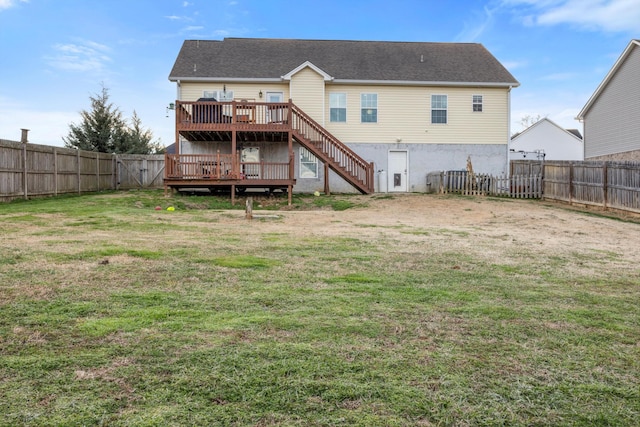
349,81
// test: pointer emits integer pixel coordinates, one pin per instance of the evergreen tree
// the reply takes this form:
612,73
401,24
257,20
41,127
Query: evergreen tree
140,140
103,129
98,126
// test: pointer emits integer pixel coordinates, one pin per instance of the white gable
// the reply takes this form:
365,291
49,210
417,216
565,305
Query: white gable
546,137
310,65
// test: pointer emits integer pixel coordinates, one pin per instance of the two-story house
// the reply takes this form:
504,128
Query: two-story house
611,116
310,115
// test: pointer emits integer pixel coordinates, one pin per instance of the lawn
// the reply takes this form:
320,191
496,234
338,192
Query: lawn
337,311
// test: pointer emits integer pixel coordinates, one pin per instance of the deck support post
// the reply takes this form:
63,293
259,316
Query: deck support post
327,191
290,191
249,208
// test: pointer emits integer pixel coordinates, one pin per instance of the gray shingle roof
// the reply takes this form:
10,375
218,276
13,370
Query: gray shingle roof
238,58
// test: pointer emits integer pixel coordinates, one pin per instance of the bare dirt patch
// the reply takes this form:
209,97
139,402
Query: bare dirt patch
488,226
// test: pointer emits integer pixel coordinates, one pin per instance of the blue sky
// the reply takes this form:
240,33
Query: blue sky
54,54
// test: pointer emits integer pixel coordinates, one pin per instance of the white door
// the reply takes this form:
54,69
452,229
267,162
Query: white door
397,178
250,158
275,115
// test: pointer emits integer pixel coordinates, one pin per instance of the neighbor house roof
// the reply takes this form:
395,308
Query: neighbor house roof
240,59
627,51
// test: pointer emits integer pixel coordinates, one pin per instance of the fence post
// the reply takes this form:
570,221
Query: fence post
55,171
98,171
605,185
571,183
78,171
114,170
25,179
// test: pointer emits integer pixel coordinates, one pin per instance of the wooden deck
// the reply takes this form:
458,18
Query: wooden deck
218,171
249,121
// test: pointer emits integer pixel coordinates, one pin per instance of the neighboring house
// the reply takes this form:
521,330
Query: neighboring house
275,111
545,140
611,117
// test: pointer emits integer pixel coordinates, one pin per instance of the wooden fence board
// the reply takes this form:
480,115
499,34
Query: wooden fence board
516,186
29,170
609,185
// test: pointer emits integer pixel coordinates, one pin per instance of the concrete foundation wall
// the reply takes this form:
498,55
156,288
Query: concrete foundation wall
422,158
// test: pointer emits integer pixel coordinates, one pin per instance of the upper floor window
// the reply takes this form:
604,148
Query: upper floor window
338,107
218,95
439,109
477,103
369,107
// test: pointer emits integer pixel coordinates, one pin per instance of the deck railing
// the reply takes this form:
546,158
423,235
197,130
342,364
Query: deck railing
222,167
211,115
343,160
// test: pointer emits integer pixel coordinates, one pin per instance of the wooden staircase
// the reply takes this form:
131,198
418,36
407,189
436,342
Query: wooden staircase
330,150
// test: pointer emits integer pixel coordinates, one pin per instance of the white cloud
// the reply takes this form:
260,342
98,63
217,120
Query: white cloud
84,56
6,4
600,15
512,65
481,22
192,28
178,18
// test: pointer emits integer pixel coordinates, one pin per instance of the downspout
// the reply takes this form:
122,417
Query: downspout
177,137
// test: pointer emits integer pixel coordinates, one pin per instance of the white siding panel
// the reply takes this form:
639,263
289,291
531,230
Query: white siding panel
192,91
404,113
307,92
555,142
611,125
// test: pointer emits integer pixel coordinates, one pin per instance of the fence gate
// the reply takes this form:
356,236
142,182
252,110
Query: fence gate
139,171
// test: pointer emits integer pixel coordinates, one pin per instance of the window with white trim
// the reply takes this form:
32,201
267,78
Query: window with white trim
337,107
218,95
477,103
308,164
439,109
369,107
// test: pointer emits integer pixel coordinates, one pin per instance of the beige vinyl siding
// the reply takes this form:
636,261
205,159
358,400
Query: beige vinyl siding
404,113
611,125
192,91
307,92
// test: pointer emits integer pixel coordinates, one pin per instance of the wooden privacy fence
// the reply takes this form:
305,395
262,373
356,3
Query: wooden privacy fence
139,171
516,186
610,185
31,170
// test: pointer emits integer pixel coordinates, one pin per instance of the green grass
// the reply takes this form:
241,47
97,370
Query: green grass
200,319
